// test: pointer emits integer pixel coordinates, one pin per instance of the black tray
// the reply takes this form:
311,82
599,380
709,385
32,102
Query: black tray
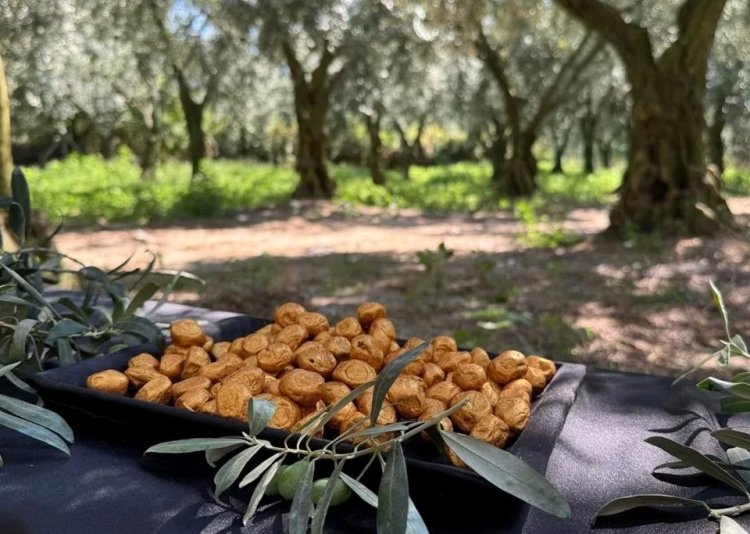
65,388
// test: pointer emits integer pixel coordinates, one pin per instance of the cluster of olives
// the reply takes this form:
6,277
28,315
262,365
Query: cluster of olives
289,477
303,364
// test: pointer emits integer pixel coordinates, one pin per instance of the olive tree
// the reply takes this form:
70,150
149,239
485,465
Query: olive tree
666,185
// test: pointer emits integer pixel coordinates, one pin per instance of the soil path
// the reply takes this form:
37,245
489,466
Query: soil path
640,306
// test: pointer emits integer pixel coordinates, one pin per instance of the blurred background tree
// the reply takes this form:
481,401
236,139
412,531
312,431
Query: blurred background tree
659,86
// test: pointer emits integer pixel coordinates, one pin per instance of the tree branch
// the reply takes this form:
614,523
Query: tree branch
295,67
631,41
697,21
565,81
494,64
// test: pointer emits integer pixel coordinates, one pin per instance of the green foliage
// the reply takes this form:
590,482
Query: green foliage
92,189
730,471
535,235
37,331
576,186
311,499
737,180
34,421
433,262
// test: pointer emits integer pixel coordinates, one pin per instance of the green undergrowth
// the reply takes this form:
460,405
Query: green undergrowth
89,189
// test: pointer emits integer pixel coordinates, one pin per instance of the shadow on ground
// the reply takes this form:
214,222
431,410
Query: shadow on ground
644,308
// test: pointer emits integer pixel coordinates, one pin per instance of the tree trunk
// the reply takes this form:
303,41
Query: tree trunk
6,156
604,147
373,154
588,130
667,186
497,151
518,176
311,151
108,144
587,139
558,167
193,112
311,105
561,144
715,130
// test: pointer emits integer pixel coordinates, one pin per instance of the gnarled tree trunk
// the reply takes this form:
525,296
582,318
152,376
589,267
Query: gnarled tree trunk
311,104
520,168
315,181
6,156
666,186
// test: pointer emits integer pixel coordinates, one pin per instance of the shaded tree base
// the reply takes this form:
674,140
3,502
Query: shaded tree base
514,179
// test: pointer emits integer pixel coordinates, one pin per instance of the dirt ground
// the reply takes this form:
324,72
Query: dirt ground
638,306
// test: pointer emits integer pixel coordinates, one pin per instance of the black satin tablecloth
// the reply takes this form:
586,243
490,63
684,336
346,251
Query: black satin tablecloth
594,425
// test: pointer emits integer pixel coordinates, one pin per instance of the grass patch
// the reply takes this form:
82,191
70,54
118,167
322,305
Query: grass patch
90,189
737,180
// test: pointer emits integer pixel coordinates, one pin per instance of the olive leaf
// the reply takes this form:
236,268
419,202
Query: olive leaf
4,370
65,329
623,504
739,457
362,491
732,437
740,389
321,509
388,375
260,489
40,416
433,421
33,430
718,300
508,472
181,446
146,292
17,222
393,494
65,352
732,405
21,338
414,522
19,190
381,429
697,460
258,470
332,410
727,525
214,455
259,412
230,471
299,515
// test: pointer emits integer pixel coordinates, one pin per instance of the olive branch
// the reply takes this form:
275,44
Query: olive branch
395,510
732,470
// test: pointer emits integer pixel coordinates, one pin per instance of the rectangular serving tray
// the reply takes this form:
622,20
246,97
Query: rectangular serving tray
65,388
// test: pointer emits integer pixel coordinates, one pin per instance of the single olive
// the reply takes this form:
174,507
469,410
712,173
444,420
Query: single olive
273,487
291,478
341,491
